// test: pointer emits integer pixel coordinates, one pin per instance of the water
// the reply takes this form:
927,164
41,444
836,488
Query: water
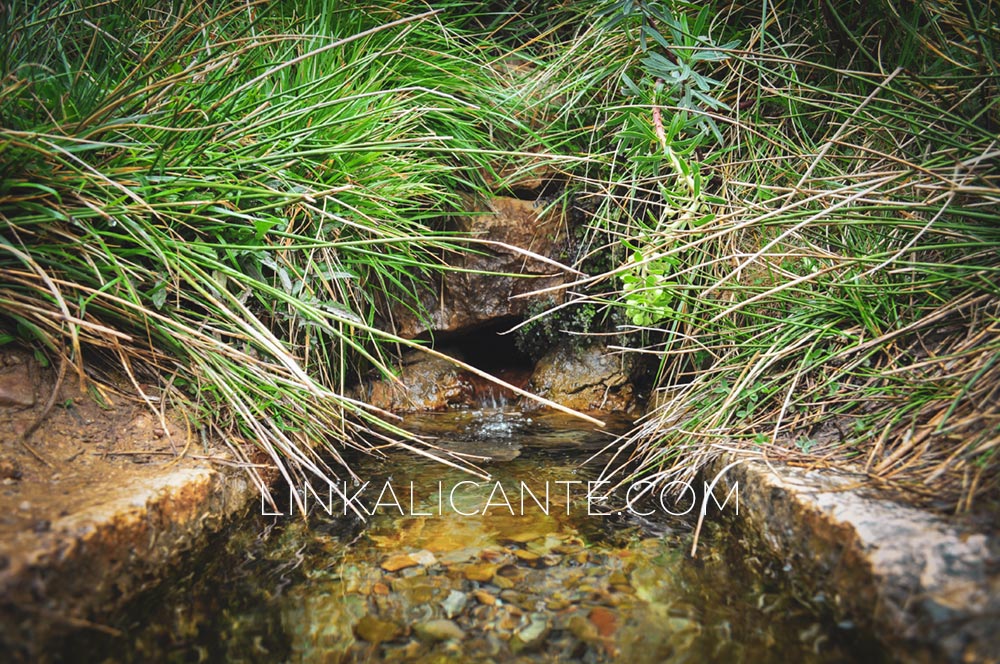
451,571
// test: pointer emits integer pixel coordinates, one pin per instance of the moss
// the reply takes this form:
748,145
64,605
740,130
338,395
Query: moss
538,336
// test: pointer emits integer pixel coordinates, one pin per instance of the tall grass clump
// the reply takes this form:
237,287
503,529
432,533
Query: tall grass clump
804,210
793,214
223,198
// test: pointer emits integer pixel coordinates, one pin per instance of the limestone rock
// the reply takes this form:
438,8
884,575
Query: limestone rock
928,588
462,301
425,383
586,379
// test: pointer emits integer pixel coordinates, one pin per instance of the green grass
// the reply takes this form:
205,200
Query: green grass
226,198
794,213
809,243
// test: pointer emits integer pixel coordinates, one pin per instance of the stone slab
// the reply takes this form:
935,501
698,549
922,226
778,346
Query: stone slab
927,587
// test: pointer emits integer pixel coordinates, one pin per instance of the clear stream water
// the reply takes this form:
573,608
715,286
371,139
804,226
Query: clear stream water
466,573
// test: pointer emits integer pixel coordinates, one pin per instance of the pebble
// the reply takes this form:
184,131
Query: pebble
557,604
503,583
398,562
373,630
424,558
454,603
551,559
457,556
508,621
531,636
517,598
10,470
604,620
511,572
479,572
523,537
439,630
484,597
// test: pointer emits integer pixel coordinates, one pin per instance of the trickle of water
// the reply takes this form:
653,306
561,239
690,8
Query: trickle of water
494,423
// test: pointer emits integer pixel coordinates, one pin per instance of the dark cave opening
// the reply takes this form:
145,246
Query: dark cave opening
490,347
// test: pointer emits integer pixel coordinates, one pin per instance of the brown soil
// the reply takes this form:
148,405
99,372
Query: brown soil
98,503
82,454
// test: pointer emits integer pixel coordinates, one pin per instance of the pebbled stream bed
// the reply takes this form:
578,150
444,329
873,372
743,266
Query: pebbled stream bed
451,571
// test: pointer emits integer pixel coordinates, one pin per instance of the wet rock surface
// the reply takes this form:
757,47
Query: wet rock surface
588,378
428,383
485,295
469,298
424,383
928,588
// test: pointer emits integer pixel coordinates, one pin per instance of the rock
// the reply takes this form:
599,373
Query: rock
460,301
398,562
9,469
479,571
492,555
532,636
590,378
484,597
16,387
503,583
419,590
424,558
604,620
373,630
425,383
508,619
438,630
454,603
522,536
87,559
927,587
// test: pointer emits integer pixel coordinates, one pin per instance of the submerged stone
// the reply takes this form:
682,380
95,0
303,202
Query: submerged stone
604,620
375,630
482,572
439,630
532,636
398,562
454,603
